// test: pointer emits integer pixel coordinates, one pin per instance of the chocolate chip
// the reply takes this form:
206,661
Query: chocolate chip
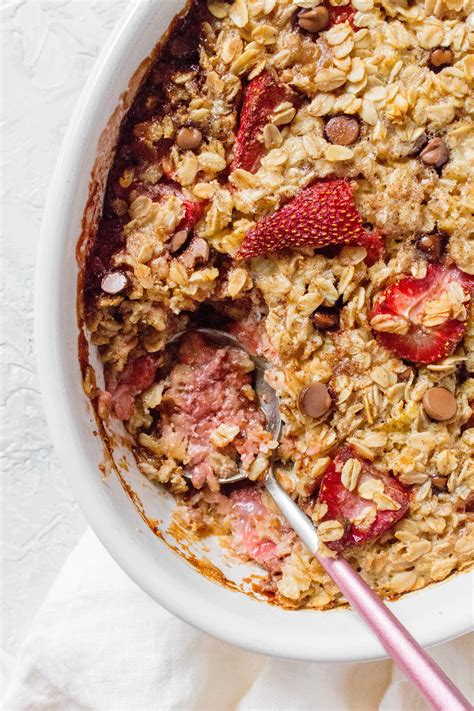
314,20
325,320
178,239
470,504
440,58
342,130
114,282
440,404
314,400
432,245
189,138
439,482
435,154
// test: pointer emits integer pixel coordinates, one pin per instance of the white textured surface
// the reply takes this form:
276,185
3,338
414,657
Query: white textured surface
48,50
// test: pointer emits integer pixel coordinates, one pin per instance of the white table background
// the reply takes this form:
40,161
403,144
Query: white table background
48,50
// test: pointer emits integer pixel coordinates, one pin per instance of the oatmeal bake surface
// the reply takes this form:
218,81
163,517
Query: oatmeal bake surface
301,174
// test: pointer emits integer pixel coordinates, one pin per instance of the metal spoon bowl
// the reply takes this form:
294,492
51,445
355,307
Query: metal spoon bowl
416,664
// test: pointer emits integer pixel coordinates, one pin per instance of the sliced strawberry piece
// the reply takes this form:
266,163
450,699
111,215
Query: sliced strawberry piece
341,13
361,519
262,96
320,215
407,299
193,211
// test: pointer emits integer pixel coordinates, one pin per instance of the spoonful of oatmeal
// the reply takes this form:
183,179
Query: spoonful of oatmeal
358,502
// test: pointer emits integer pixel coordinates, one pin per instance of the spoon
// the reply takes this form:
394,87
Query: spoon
413,661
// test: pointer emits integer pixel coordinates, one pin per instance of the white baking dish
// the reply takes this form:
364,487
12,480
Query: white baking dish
432,615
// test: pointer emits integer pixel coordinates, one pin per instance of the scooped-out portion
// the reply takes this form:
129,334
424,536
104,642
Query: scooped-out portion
209,418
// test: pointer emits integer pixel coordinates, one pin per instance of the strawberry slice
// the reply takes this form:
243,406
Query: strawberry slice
262,96
363,519
320,215
401,307
341,13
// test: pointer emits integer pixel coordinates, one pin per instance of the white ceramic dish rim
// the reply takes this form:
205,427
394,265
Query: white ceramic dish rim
433,615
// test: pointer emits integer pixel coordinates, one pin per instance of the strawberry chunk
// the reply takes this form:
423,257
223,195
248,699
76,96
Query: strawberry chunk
363,519
139,374
341,13
413,319
193,211
320,215
262,96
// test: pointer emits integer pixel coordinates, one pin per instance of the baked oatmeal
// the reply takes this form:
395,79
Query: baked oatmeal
300,174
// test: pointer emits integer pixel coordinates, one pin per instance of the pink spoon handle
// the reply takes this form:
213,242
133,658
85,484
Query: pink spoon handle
415,663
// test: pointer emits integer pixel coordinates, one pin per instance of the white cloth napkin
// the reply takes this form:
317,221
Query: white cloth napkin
99,642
